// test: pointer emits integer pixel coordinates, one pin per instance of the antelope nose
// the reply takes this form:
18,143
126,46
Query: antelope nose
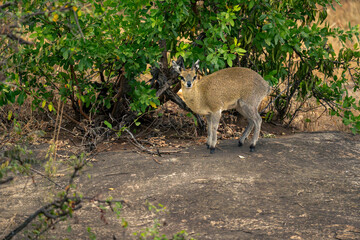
188,84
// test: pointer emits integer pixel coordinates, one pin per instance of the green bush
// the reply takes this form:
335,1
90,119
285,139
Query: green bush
113,42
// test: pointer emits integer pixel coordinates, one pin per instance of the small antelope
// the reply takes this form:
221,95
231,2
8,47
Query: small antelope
232,88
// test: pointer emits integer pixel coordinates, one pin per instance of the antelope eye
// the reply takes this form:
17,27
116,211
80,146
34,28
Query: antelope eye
182,78
195,77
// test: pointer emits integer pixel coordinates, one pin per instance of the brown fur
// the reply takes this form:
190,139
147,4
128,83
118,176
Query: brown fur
232,88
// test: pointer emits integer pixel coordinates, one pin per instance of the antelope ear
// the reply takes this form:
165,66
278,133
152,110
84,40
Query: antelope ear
176,67
196,65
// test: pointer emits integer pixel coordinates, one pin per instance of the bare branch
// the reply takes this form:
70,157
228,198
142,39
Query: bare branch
140,146
5,31
26,222
6,180
49,179
78,25
5,5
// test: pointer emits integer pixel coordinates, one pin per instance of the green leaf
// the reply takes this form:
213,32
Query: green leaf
193,117
232,23
21,98
268,41
33,35
50,107
152,104
81,65
229,62
251,4
109,125
237,8
66,54
209,57
9,115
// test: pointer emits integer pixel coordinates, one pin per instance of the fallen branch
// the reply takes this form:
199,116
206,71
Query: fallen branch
78,25
157,161
140,146
49,179
6,180
5,5
57,206
45,210
106,201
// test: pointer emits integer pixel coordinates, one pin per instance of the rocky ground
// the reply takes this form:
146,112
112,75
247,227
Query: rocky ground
301,186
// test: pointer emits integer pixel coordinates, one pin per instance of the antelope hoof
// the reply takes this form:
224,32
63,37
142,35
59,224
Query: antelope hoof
240,144
252,148
212,150
207,145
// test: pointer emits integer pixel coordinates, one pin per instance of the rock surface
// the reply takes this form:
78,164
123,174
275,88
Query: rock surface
303,186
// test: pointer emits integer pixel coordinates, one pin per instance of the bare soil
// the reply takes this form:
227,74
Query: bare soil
301,186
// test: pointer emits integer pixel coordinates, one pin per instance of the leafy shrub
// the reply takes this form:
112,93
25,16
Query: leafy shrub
75,43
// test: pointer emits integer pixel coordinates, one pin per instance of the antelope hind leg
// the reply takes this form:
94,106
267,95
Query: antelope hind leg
209,126
257,122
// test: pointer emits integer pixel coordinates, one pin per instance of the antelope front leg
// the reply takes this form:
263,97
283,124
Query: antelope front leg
214,119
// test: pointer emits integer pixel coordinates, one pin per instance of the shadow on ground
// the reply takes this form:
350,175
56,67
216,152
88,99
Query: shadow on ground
303,186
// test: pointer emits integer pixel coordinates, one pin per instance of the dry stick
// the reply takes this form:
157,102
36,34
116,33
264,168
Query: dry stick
42,210
58,204
41,174
72,119
120,82
52,224
79,91
163,89
26,222
56,124
147,128
58,127
10,222
57,119
157,161
137,144
273,100
66,7
62,127
6,180
78,25
5,5
105,201
294,114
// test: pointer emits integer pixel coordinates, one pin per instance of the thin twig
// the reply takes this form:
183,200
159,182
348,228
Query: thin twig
157,161
6,180
105,201
78,124
140,146
5,5
26,222
47,228
43,175
273,100
78,25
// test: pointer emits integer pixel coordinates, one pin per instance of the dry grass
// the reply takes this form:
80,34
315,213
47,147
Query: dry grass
349,12
319,120
29,124
314,118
